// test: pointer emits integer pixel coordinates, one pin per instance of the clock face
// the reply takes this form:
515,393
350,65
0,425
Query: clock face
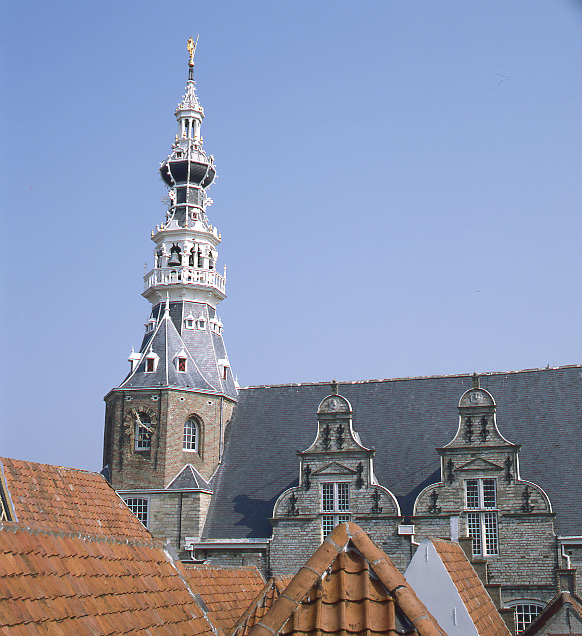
477,397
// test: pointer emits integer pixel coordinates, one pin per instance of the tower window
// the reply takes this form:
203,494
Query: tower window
201,323
191,435
143,433
149,365
139,506
182,365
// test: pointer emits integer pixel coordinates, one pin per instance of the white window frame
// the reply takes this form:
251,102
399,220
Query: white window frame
335,505
481,515
155,358
140,506
140,436
189,445
483,491
524,616
201,324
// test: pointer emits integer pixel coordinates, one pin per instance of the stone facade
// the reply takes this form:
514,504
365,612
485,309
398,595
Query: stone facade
481,494
337,484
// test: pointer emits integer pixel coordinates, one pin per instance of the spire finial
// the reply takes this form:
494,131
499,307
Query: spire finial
192,49
475,379
334,387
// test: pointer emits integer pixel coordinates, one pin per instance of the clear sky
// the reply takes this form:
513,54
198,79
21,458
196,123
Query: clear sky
399,191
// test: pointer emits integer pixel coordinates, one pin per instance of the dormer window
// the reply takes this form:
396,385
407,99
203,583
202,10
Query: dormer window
150,325
223,366
201,323
181,362
151,362
190,322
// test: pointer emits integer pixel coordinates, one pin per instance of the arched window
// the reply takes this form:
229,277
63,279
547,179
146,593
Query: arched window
143,432
191,439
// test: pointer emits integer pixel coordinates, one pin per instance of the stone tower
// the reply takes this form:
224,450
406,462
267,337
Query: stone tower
165,423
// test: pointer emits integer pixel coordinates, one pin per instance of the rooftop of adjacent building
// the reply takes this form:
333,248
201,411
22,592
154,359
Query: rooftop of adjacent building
405,420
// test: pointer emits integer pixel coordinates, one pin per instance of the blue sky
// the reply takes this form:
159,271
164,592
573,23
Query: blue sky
398,192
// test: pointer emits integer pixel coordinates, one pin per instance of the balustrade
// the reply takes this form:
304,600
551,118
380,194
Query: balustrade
184,276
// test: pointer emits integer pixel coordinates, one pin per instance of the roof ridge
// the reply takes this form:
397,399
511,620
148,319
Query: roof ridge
33,528
414,377
316,566
55,466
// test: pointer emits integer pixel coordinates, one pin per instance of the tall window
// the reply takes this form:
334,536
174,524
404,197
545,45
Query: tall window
143,433
139,507
525,613
335,503
191,435
481,495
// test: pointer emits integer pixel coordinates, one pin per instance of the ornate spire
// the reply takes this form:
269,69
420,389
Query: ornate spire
190,100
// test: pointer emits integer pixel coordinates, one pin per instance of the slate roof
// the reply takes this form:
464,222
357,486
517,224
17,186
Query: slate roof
481,609
405,420
563,600
349,586
225,592
188,478
68,499
203,349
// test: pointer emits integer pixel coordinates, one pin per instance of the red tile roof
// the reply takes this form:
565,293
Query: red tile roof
261,605
483,613
227,592
348,586
68,499
57,584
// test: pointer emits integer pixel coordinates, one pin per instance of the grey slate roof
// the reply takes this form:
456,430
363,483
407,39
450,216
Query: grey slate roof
204,348
187,479
405,420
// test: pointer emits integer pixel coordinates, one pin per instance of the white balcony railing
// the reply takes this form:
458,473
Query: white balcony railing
184,276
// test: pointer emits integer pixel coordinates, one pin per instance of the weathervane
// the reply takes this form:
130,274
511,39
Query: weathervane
191,46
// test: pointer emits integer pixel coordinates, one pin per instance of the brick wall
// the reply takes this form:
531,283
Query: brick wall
168,410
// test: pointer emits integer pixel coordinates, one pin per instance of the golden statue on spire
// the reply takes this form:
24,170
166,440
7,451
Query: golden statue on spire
191,46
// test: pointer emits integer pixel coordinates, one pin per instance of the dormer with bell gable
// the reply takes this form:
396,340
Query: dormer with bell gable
336,484
482,495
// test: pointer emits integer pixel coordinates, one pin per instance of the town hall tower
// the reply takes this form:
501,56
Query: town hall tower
165,423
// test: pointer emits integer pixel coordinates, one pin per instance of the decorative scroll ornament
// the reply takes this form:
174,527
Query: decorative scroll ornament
360,478
292,509
469,430
326,436
526,496
306,477
484,432
376,509
508,466
433,509
339,438
450,471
